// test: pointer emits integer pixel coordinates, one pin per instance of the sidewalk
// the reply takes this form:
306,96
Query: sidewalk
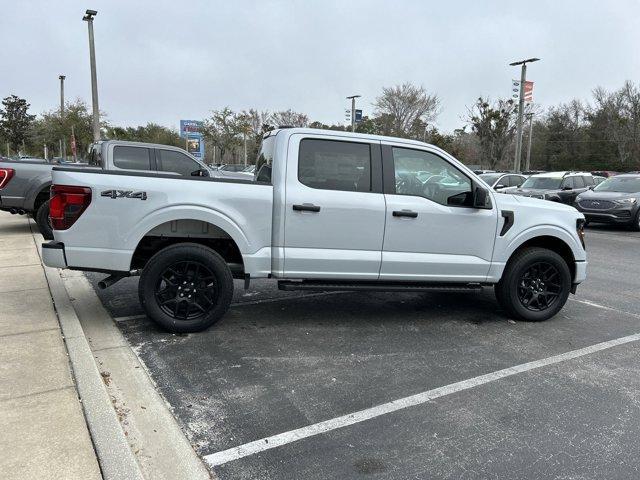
44,434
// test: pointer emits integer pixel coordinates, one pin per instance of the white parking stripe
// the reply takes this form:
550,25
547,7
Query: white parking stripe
604,307
278,440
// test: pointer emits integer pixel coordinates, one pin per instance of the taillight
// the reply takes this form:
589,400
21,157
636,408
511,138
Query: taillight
67,204
5,176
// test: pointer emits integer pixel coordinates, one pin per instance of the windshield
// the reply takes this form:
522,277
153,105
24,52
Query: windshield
490,178
619,184
265,160
542,183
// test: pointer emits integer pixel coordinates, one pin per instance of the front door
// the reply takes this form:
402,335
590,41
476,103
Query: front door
334,208
432,232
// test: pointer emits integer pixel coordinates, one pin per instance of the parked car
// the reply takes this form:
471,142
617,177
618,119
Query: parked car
27,190
503,181
616,200
232,167
326,211
604,173
562,187
598,179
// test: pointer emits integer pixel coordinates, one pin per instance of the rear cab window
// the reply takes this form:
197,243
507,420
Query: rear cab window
335,165
131,158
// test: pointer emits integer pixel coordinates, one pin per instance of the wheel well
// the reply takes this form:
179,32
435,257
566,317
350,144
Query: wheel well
42,197
554,244
193,231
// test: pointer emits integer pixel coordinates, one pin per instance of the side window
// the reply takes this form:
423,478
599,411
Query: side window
568,182
503,180
588,181
176,162
131,158
515,180
427,175
335,165
578,182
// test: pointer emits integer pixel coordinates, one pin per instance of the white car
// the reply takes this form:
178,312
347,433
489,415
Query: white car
327,211
502,182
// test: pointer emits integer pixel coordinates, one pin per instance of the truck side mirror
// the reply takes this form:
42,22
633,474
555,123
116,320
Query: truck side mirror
481,198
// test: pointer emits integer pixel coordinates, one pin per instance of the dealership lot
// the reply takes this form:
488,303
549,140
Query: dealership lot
281,361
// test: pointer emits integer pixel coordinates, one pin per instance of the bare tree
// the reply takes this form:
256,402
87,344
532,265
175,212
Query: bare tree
405,110
224,129
288,118
494,124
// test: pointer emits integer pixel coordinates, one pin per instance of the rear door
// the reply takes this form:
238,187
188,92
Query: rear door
334,208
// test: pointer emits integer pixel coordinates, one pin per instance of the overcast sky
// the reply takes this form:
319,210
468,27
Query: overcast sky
162,61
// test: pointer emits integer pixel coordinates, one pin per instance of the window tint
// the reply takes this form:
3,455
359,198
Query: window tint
427,175
588,181
176,162
265,160
334,165
515,180
131,158
578,182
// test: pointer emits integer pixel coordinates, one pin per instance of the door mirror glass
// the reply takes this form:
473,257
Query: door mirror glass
499,186
567,187
481,198
200,173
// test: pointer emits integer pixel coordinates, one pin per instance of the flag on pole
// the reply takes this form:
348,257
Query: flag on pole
528,92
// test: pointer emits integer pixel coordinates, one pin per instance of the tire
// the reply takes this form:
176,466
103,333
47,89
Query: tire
186,288
42,220
528,275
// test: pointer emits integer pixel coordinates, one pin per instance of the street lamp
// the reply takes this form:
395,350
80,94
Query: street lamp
63,140
89,14
523,77
353,111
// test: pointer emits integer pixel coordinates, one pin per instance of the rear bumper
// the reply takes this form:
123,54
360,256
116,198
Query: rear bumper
53,255
7,202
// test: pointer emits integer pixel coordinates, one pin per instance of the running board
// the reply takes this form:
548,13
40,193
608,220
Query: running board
289,285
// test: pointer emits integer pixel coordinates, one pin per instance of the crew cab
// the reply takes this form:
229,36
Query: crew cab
25,188
325,211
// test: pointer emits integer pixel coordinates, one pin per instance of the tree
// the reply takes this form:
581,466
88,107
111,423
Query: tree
494,124
50,127
288,118
150,133
15,121
405,110
223,129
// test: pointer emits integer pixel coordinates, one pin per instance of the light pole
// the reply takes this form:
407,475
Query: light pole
89,14
353,111
63,141
523,78
527,165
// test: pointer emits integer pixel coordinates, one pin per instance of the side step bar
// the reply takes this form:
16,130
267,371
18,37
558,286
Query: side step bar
289,285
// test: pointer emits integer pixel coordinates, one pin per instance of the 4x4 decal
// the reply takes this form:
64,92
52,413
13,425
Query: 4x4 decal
124,194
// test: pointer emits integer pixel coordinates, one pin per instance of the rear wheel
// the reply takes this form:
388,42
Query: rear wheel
42,220
186,287
535,285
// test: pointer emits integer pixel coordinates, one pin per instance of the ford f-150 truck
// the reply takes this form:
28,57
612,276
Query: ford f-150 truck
26,188
326,211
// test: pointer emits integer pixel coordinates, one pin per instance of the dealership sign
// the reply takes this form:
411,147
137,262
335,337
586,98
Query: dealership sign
190,130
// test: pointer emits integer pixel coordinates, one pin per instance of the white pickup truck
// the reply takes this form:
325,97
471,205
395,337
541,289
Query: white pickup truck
326,211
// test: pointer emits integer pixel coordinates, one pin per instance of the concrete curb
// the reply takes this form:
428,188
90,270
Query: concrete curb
116,459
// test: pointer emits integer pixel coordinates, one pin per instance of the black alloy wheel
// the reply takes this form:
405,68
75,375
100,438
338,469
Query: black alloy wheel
186,290
539,287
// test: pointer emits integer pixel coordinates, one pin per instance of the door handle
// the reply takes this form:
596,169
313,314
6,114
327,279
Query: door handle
306,207
405,213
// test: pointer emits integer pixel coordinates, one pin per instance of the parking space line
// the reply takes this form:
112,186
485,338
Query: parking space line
241,304
604,307
267,443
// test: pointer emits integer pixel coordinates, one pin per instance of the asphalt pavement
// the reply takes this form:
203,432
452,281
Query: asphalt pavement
276,364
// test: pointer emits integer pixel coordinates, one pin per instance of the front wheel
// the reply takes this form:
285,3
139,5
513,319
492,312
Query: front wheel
186,288
535,285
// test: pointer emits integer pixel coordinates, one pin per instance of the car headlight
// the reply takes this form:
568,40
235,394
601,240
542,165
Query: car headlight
625,201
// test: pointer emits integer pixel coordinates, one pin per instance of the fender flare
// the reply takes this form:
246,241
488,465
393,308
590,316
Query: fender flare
544,231
189,212
34,191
